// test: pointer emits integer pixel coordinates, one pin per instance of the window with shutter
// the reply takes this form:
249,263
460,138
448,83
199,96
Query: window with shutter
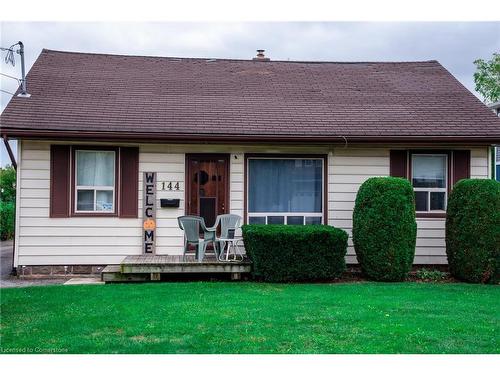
432,174
429,177
95,187
94,190
94,181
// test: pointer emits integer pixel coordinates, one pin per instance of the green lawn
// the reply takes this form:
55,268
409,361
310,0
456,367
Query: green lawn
221,317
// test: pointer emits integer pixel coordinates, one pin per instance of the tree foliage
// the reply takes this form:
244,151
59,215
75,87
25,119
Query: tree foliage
7,184
7,202
487,78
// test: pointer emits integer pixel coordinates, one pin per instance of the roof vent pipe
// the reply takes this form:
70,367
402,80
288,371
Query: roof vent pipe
260,56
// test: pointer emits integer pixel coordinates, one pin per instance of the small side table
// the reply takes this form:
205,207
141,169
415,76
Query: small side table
231,245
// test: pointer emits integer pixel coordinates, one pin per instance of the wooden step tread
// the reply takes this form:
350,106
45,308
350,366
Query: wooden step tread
111,269
177,260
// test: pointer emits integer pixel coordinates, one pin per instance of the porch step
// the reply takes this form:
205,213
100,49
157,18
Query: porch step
113,273
150,267
181,264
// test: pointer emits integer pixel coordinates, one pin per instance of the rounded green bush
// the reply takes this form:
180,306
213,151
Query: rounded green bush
284,253
473,231
384,228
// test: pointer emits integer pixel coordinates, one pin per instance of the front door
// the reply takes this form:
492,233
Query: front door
207,187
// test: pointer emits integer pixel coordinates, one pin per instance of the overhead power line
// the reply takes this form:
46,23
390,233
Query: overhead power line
7,92
8,76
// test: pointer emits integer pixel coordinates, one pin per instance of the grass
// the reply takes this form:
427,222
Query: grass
218,317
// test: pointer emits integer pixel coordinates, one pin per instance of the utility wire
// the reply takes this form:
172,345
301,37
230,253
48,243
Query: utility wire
7,92
8,76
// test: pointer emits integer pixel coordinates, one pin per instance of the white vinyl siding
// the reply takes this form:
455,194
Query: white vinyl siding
348,168
236,185
102,240
479,167
43,240
107,240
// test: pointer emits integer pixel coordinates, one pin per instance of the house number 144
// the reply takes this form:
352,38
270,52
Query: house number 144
170,185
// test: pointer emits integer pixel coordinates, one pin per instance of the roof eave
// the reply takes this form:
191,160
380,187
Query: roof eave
243,138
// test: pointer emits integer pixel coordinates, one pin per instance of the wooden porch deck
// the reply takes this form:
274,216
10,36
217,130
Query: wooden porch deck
150,267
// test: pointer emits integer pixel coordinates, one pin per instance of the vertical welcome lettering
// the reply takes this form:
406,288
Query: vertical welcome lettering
149,212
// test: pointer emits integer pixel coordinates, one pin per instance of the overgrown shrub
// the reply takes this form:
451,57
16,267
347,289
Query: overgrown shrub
473,231
292,253
7,215
384,228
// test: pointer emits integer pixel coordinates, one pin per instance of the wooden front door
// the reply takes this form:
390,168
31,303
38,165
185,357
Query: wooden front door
207,187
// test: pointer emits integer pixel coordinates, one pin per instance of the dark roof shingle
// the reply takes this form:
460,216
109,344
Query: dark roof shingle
210,97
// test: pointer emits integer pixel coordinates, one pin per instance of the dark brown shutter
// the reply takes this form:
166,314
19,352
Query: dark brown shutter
59,180
461,165
129,182
399,163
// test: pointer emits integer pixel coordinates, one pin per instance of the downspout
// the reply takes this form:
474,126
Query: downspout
9,151
14,164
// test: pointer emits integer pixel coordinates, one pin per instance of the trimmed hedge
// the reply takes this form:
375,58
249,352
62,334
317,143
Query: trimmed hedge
7,215
384,228
283,253
473,231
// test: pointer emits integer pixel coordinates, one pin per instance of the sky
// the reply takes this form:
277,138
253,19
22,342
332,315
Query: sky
454,44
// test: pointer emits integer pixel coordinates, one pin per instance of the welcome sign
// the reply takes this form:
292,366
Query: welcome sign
149,212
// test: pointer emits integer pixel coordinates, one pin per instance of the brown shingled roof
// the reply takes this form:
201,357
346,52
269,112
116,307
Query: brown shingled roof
165,97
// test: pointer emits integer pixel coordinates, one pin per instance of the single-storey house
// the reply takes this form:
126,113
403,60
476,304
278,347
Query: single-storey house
276,142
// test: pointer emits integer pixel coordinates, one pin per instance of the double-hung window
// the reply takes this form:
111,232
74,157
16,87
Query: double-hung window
430,181
285,190
95,181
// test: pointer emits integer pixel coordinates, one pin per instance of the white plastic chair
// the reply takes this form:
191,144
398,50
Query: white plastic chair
226,242
191,226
